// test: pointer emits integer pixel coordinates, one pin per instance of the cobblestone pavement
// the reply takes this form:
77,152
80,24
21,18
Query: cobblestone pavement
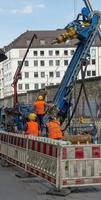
34,188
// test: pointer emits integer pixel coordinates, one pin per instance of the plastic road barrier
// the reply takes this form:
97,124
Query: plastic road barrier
80,165
60,164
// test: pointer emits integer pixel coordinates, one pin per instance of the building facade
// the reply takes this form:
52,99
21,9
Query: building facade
45,63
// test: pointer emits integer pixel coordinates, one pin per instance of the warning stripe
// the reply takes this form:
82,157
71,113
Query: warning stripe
42,147
41,174
81,152
82,181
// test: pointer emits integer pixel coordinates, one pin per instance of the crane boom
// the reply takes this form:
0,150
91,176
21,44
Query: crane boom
86,33
18,73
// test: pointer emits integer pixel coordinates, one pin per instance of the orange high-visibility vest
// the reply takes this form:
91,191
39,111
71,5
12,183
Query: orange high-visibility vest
39,107
54,130
32,128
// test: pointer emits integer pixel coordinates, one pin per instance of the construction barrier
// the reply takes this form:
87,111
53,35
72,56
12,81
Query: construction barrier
42,159
60,164
13,148
80,165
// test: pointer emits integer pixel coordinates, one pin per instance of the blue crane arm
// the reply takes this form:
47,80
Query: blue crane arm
86,36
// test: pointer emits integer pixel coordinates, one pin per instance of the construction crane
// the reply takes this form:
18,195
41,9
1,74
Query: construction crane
18,73
84,28
14,117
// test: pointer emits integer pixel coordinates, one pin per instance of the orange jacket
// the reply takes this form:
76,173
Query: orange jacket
32,128
39,107
54,130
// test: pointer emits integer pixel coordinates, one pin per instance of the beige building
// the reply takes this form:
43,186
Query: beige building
45,63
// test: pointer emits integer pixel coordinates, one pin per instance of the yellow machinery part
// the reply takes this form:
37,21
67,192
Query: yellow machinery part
70,33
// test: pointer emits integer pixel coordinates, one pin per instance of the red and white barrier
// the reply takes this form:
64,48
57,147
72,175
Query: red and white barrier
60,164
13,148
42,159
80,165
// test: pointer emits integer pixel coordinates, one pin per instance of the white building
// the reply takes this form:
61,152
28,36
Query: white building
45,63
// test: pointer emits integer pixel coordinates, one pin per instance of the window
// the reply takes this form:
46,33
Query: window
42,63
65,62
51,74
93,52
50,52
93,61
65,52
42,42
28,42
35,74
19,62
57,62
94,73
20,76
57,74
26,74
35,63
20,86
50,62
41,53
51,83
88,73
26,63
36,86
56,52
35,53
42,74
72,52
26,86
42,85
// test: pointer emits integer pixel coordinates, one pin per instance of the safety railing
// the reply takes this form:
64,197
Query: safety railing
60,164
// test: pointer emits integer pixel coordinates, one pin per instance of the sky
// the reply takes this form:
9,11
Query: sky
18,16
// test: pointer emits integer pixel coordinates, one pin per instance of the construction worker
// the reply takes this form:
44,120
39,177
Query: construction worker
32,127
53,128
39,110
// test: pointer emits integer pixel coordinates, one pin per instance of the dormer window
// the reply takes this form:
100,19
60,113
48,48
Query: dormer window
27,42
42,42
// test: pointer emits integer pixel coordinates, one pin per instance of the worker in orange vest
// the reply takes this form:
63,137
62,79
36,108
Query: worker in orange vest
32,127
53,128
39,110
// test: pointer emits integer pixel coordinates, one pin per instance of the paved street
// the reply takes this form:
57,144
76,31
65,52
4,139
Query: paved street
34,188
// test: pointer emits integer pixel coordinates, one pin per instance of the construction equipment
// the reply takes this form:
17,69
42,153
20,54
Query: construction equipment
60,163
14,118
18,74
85,30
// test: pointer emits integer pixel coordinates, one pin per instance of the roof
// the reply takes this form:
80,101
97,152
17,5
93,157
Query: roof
47,35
